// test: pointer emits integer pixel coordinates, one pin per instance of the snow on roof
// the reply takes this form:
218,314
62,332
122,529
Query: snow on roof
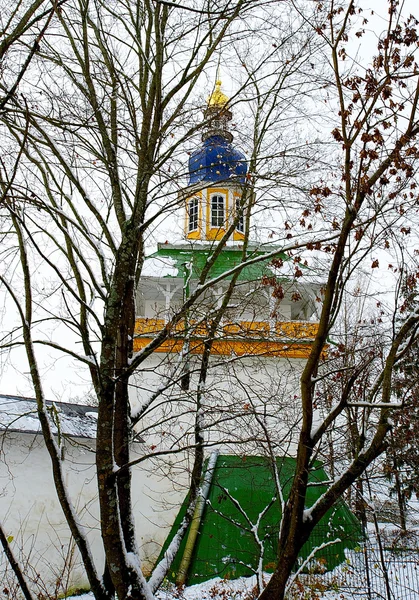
157,266
19,414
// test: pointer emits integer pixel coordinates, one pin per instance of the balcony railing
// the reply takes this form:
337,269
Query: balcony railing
280,330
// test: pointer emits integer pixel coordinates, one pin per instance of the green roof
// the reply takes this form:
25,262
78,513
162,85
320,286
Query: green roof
185,256
225,546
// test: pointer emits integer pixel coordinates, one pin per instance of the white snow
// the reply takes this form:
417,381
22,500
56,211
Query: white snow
157,266
20,414
346,582
215,589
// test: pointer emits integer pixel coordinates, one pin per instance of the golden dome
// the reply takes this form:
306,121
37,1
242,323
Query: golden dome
217,98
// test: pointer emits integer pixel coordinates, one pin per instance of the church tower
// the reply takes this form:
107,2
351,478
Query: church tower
224,383
252,351
217,175
269,315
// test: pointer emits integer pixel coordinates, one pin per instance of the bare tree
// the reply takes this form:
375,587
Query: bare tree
378,126
22,29
98,126
98,131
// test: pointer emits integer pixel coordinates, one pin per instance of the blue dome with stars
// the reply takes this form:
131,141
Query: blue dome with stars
217,160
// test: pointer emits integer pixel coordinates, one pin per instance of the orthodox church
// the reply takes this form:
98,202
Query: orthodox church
229,371
256,322
240,331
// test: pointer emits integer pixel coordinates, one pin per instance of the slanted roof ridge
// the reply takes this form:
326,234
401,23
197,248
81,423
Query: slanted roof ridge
49,402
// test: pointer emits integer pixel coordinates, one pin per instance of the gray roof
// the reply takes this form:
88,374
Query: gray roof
19,414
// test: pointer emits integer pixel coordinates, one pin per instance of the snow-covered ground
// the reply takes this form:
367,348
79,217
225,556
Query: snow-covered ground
346,582
365,568
215,589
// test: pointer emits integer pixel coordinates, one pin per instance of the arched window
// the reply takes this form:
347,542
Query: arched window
193,214
239,211
217,211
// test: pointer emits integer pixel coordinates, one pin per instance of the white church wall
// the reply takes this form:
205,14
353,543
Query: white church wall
239,392
31,513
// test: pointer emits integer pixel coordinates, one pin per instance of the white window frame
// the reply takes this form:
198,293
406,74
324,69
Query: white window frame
240,222
217,213
193,214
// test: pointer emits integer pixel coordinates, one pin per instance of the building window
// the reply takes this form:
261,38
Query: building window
217,211
193,212
239,211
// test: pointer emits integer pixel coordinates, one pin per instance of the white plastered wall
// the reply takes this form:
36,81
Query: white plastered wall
245,400
31,513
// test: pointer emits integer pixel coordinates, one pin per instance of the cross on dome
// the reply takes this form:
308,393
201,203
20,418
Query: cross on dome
218,99
217,176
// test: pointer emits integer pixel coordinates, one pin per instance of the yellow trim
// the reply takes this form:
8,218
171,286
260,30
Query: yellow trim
194,235
229,347
253,338
211,233
288,329
238,236
251,328
296,329
145,325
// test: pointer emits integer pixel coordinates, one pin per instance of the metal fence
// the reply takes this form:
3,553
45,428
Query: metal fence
369,572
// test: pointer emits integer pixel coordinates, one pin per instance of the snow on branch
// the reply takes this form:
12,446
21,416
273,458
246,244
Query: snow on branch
307,560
